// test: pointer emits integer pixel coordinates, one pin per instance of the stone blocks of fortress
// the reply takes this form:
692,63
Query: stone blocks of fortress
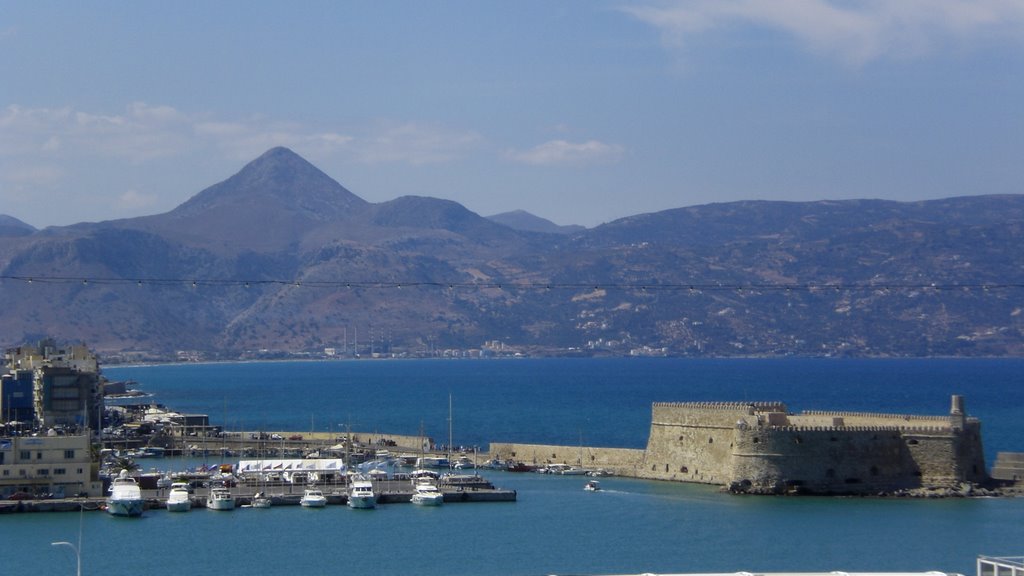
763,448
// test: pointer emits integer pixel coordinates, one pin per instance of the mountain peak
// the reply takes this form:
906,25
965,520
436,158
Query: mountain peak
280,179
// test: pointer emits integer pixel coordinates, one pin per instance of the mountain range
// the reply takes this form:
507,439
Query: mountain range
281,260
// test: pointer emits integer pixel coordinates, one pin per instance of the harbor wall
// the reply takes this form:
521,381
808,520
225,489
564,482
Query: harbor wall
622,461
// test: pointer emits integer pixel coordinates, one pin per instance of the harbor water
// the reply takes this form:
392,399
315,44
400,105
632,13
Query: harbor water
554,527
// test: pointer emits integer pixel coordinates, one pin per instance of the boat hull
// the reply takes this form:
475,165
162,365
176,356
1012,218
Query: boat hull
126,507
363,502
179,506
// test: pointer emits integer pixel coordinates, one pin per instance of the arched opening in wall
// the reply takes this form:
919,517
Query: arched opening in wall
912,441
684,469
711,440
666,467
593,457
756,440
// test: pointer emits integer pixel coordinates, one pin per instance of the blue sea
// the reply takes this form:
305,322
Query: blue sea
555,527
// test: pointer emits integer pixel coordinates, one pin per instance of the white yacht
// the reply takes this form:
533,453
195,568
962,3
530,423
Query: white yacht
125,496
425,493
360,493
178,499
433,462
313,498
220,499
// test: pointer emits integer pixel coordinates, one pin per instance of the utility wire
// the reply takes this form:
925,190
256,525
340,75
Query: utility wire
618,286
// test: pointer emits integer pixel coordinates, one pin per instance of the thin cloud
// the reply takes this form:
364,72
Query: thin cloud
562,152
413,143
855,32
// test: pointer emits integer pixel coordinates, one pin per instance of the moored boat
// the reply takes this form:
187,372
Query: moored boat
220,499
360,493
313,498
426,493
125,496
261,500
178,499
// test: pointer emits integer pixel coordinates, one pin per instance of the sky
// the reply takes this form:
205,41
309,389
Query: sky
581,112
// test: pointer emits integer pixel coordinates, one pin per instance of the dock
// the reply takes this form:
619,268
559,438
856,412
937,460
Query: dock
387,491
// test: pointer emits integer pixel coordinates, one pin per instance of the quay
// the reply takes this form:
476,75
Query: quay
388,492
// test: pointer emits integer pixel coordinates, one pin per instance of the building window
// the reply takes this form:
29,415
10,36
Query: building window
39,455
25,455
44,471
22,472
69,454
79,471
7,472
59,471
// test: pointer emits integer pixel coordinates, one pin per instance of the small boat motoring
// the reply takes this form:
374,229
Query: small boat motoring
313,498
125,496
592,486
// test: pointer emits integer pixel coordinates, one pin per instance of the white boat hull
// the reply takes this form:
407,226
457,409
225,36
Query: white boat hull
179,506
362,502
126,507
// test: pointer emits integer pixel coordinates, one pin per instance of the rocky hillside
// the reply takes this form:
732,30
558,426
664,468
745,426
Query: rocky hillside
281,259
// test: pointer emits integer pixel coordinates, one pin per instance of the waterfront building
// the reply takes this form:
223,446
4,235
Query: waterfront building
16,396
59,465
66,388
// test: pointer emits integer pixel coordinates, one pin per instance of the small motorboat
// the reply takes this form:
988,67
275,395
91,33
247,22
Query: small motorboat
178,499
360,494
220,499
313,498
425,493
592,486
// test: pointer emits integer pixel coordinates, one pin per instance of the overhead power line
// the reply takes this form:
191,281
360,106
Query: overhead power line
519,285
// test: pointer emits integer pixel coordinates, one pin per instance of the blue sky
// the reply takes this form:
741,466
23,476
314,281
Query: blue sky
581,112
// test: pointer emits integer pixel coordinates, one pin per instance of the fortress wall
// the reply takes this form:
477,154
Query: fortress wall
950,457
692,442
821,460
622,461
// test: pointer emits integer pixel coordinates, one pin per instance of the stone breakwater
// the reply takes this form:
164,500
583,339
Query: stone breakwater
762,448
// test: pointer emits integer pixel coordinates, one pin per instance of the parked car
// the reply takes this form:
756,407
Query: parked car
295,437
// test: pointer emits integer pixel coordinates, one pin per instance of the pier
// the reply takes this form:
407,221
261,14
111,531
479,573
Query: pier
387,491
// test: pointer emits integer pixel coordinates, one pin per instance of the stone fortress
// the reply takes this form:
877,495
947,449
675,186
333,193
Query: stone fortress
763,448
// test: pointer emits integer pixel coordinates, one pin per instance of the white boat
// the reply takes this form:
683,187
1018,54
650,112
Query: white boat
261,500
313,498
425,493
592,486
360,493
178,499
125,496
433,462
220,499
463,463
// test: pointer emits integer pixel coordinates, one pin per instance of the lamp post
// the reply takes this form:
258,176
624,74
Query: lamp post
78,555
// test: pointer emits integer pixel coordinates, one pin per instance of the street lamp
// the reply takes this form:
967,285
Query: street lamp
78,555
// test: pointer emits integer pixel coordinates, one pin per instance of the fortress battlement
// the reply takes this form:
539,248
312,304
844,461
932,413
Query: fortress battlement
848,429
731,406
843,414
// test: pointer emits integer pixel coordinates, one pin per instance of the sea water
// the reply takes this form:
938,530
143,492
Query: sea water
554,527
